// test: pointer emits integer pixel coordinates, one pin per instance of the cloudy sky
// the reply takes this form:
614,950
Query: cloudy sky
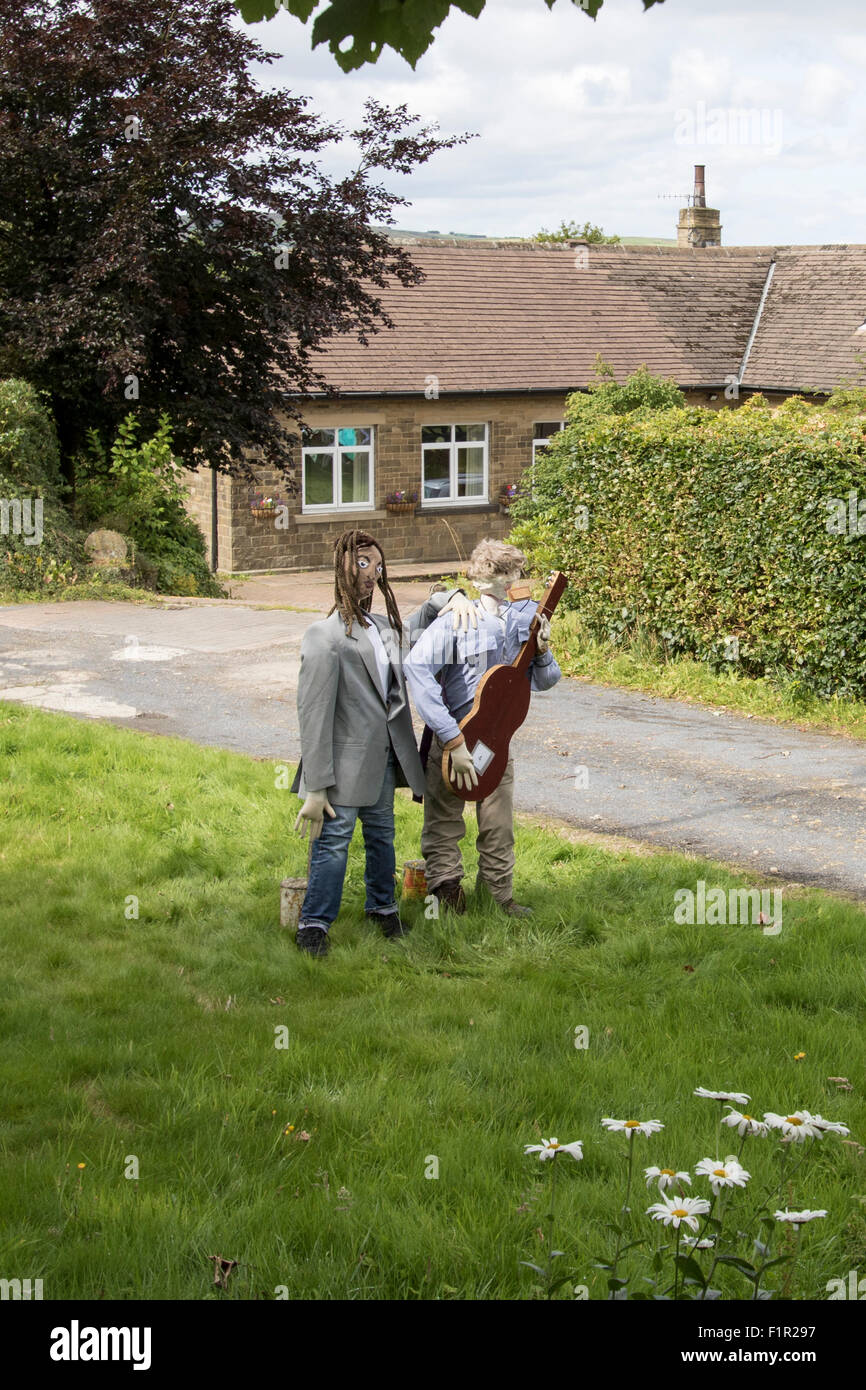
594,120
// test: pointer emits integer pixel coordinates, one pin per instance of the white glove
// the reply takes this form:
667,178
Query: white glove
312,814
464,610
463,767
543,644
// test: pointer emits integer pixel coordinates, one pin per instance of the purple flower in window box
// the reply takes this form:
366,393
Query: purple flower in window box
402,500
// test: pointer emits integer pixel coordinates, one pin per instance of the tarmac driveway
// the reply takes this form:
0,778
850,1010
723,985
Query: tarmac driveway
744,791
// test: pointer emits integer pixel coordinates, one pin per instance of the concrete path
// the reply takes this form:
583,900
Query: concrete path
315,588
672,775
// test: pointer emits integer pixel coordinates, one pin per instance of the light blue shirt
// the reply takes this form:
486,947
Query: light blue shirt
460,659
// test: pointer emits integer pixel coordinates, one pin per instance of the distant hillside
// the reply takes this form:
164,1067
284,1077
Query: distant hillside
481,236
648,241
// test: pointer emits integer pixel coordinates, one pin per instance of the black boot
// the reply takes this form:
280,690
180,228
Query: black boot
313,940
390,923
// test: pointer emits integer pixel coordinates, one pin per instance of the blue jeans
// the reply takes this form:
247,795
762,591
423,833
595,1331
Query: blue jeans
331,853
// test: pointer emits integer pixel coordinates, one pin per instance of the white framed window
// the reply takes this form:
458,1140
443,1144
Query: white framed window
337,469
542,433
453,465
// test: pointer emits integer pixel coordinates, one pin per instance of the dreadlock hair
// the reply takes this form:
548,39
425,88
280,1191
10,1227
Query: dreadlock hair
346,601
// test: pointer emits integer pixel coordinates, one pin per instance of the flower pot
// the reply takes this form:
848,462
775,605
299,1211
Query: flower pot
398,508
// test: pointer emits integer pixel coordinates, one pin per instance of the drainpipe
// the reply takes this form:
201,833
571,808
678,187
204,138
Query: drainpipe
214,544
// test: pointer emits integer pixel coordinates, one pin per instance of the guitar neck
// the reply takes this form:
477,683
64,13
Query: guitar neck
551,598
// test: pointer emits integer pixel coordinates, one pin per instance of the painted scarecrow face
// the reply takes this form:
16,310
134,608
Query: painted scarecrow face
369,572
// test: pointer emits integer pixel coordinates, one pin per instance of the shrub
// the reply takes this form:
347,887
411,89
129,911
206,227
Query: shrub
716,532
39,549
29,451
135,488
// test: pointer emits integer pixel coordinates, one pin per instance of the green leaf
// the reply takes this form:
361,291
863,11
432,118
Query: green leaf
254,10
742,1265
780,1260
690,1267
357,30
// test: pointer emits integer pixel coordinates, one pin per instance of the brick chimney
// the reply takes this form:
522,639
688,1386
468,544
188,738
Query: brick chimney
698,224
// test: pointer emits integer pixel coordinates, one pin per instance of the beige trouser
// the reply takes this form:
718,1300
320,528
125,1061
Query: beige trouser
444,828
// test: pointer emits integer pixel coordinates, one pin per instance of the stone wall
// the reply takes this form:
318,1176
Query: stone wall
291,540
199,505
295,541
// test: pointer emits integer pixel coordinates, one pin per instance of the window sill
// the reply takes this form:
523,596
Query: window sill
308,518
459,508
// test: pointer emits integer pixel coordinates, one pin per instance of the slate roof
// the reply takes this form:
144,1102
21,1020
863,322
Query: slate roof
517,316
806,338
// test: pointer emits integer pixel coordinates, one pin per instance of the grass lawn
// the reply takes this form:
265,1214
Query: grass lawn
148,1043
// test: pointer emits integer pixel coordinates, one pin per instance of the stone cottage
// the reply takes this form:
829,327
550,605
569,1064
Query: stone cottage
454,403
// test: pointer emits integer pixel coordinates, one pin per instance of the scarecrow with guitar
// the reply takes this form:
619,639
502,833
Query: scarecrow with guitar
472,686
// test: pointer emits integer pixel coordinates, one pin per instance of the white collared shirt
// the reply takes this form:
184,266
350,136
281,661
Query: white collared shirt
382,663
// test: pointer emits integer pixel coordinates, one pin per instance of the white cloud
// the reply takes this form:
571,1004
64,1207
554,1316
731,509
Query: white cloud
577,119
825,92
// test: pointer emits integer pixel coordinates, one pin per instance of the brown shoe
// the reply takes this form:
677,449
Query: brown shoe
450,896
513,909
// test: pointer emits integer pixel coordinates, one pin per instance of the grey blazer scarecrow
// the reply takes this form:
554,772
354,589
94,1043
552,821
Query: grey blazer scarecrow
347,725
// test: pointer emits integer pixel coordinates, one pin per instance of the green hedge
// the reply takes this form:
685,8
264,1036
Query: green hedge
30,485
701,527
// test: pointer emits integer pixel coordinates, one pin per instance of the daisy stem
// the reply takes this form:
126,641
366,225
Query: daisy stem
551,1218
630,1166
785,1176
789,1273
625,1207
677,1265
717,1251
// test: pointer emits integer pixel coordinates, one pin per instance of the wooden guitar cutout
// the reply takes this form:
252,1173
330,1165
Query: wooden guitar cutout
500,706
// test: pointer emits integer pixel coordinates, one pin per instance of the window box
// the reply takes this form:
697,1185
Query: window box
401,508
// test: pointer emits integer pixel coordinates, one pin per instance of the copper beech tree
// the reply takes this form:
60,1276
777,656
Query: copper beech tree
169,238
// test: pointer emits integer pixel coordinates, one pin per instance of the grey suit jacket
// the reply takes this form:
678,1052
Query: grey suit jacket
347,725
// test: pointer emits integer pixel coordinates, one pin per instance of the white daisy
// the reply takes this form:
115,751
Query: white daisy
735,1097
829,1126
797,1126
666,1177
798,1217
728,1174
692,1241
549,1148
673,1210
745,1124
630,1126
